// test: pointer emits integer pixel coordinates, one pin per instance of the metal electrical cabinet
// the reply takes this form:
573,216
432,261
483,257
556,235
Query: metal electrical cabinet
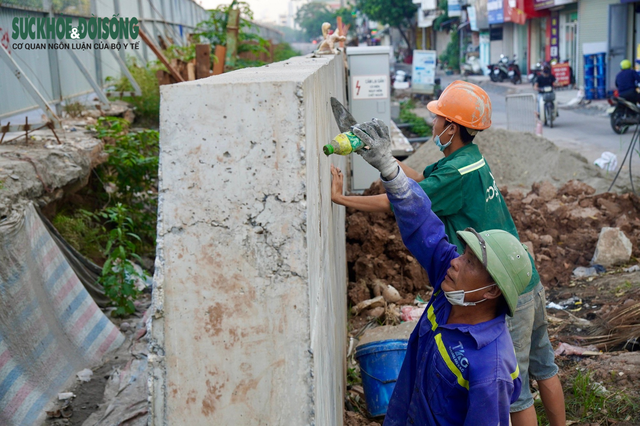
369,97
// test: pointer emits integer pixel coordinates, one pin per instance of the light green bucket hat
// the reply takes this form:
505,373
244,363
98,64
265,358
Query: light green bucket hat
506,259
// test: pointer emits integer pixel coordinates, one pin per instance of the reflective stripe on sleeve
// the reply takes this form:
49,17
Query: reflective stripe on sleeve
447,359
431,315
471,167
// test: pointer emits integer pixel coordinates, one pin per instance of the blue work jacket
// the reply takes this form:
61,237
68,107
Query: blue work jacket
453,374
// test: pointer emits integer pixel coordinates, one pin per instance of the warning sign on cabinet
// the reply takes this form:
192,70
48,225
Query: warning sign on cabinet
370,86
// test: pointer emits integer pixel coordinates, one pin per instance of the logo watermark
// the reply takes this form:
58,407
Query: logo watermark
61,29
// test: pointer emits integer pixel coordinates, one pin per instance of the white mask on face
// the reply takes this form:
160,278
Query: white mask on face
457,297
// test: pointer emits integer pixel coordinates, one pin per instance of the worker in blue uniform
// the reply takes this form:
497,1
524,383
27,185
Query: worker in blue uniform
460,367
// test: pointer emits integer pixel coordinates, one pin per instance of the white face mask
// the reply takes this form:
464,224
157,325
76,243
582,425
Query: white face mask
457,297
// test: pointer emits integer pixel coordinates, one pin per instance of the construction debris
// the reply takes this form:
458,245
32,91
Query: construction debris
613,248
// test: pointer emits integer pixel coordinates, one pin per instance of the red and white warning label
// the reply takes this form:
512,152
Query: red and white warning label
370,87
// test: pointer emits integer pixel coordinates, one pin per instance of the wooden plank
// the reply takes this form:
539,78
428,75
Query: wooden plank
218,66
191,71
203,60
163,77
160,55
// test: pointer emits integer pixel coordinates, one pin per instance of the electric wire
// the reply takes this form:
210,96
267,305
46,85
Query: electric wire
635,136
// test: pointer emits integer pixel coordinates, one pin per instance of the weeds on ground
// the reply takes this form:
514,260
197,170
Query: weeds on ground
1,184
81,231
73,109
125,225
131,173
588,401
418,125
353,377
146,106
118,273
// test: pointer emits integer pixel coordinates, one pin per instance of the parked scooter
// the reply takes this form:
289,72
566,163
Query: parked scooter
513,71
471,66
499,72
547,106
623,114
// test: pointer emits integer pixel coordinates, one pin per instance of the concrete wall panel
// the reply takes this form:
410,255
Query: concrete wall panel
250,287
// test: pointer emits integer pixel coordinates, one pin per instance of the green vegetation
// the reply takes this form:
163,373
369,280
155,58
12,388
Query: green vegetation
124,199
147,106
214,30
118,272
589,402
312,15
132,172
450,58
73,109
80,230
284,51
418,125
396,13
353,377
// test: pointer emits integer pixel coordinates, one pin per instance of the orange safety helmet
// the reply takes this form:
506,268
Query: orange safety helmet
465,104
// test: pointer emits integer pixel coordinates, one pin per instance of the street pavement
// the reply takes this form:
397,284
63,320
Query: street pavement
584,129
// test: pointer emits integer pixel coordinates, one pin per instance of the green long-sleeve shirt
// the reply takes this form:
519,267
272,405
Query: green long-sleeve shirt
464,194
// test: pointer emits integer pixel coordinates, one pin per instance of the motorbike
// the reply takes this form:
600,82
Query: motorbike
547,107
534,72
513,71
623,114
499,71
471,66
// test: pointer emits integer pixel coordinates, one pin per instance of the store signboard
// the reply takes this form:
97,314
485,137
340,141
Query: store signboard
514,12
554,50
424,71
473,21
562,72
495,9
546,4
482,16
454,8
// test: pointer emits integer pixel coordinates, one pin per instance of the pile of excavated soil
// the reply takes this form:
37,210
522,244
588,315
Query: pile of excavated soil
522,159
562,224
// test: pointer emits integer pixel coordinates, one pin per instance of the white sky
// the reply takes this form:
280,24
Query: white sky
263,10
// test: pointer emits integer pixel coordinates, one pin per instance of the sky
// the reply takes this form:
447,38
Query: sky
263,10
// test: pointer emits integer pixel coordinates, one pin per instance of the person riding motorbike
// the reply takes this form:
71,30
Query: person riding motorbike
546,79
627,82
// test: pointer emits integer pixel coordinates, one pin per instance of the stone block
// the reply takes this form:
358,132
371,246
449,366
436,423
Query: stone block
613,248
249,322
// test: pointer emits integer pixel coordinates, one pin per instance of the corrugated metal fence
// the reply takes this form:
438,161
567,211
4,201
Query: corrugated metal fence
55,74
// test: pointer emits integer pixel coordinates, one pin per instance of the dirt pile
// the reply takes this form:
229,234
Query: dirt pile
375,251
522,159
563,226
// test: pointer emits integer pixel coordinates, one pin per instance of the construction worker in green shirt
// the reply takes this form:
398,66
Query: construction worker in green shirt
464,194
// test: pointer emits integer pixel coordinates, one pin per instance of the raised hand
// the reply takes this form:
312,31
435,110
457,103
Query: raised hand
375,135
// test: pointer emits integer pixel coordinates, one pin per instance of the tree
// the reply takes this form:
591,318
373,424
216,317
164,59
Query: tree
214,29
400,14
311,16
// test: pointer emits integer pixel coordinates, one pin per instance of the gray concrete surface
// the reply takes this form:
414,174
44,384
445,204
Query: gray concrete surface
249,294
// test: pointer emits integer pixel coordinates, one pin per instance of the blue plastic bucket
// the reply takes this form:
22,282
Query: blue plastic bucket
380,364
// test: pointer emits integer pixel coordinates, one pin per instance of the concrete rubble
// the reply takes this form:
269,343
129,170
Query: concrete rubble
613,248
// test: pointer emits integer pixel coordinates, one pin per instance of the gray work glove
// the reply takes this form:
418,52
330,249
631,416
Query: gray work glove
375,135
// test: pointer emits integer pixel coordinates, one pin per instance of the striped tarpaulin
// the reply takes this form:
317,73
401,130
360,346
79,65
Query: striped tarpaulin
50,328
